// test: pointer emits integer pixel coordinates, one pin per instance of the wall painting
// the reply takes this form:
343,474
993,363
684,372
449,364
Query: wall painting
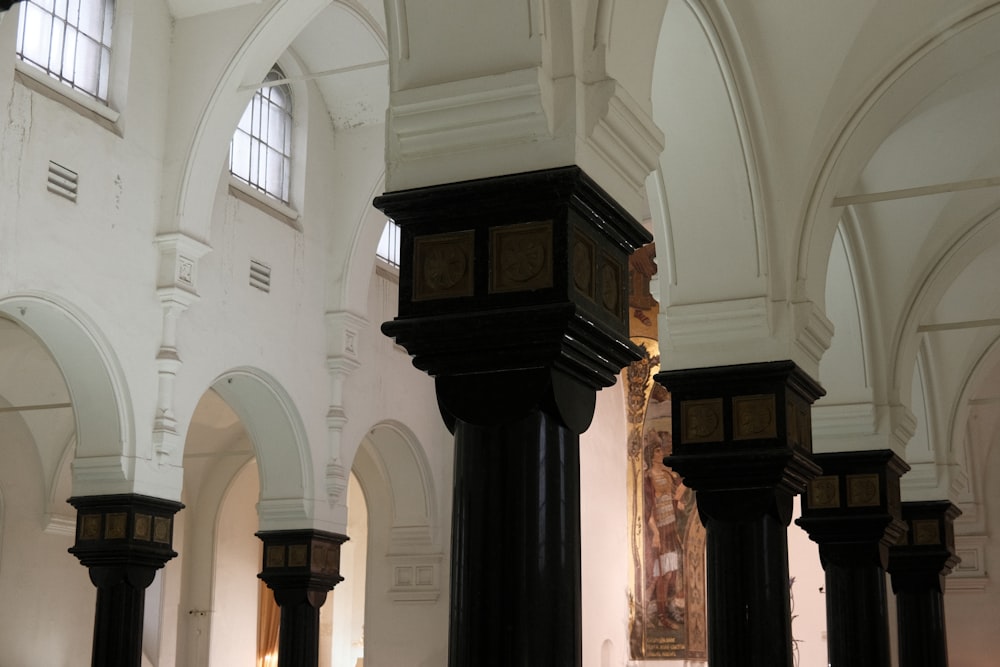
667,619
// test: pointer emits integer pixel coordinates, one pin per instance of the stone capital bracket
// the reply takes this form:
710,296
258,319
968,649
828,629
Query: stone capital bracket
926,553
123,532
177,278
742,436
852,509
299,564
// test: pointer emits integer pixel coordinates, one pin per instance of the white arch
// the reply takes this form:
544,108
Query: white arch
198,175
942,270
280,443
391,463
105,432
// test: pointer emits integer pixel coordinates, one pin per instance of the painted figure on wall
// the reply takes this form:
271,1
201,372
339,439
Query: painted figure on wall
667,614
662,498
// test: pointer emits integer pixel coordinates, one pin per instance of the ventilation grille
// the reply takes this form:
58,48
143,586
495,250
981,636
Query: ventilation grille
63,181
260,275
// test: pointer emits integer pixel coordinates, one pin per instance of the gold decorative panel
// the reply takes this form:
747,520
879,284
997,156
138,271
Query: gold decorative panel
161,529
114,526
583,265
609,285
326,558
143,529
276,556
521,257
90,527
863,491
701,421
298,555
442,265
926,531
754,417
824,493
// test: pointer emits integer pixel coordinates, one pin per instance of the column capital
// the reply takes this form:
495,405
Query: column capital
743,430
300,563
925,554
524,271
124,531
852,509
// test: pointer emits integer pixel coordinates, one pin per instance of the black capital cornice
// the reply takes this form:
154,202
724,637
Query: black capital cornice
515,273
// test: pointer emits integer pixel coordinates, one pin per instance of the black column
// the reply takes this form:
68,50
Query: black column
123,540
742,441
918,566
852,512
513,294
301,567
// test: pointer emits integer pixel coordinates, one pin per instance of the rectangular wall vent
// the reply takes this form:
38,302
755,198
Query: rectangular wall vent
260,275
63,181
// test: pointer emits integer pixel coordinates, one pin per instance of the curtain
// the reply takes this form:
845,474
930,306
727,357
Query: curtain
268,621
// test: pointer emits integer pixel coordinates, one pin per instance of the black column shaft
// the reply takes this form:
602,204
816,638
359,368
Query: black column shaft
121,592
516,545
748,605
857,622
923,640
298,635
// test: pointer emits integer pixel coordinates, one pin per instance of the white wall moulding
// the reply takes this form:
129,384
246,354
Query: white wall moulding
622,134
813,333
843,421
460,116
415,578
970,575
343,333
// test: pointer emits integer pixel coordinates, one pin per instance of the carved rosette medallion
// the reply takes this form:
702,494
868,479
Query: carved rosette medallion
701,421
609,286
583,265
521,257
824,493
926,531
863,491
754,417
443,266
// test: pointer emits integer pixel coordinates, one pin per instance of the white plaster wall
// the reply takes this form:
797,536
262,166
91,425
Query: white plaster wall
48,600
604,535
237,562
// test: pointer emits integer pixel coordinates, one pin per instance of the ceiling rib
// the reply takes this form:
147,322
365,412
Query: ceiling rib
313,75
956,326
921,191
43,406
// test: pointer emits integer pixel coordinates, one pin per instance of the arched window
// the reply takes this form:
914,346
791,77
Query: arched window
388,245
260,153
70,40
